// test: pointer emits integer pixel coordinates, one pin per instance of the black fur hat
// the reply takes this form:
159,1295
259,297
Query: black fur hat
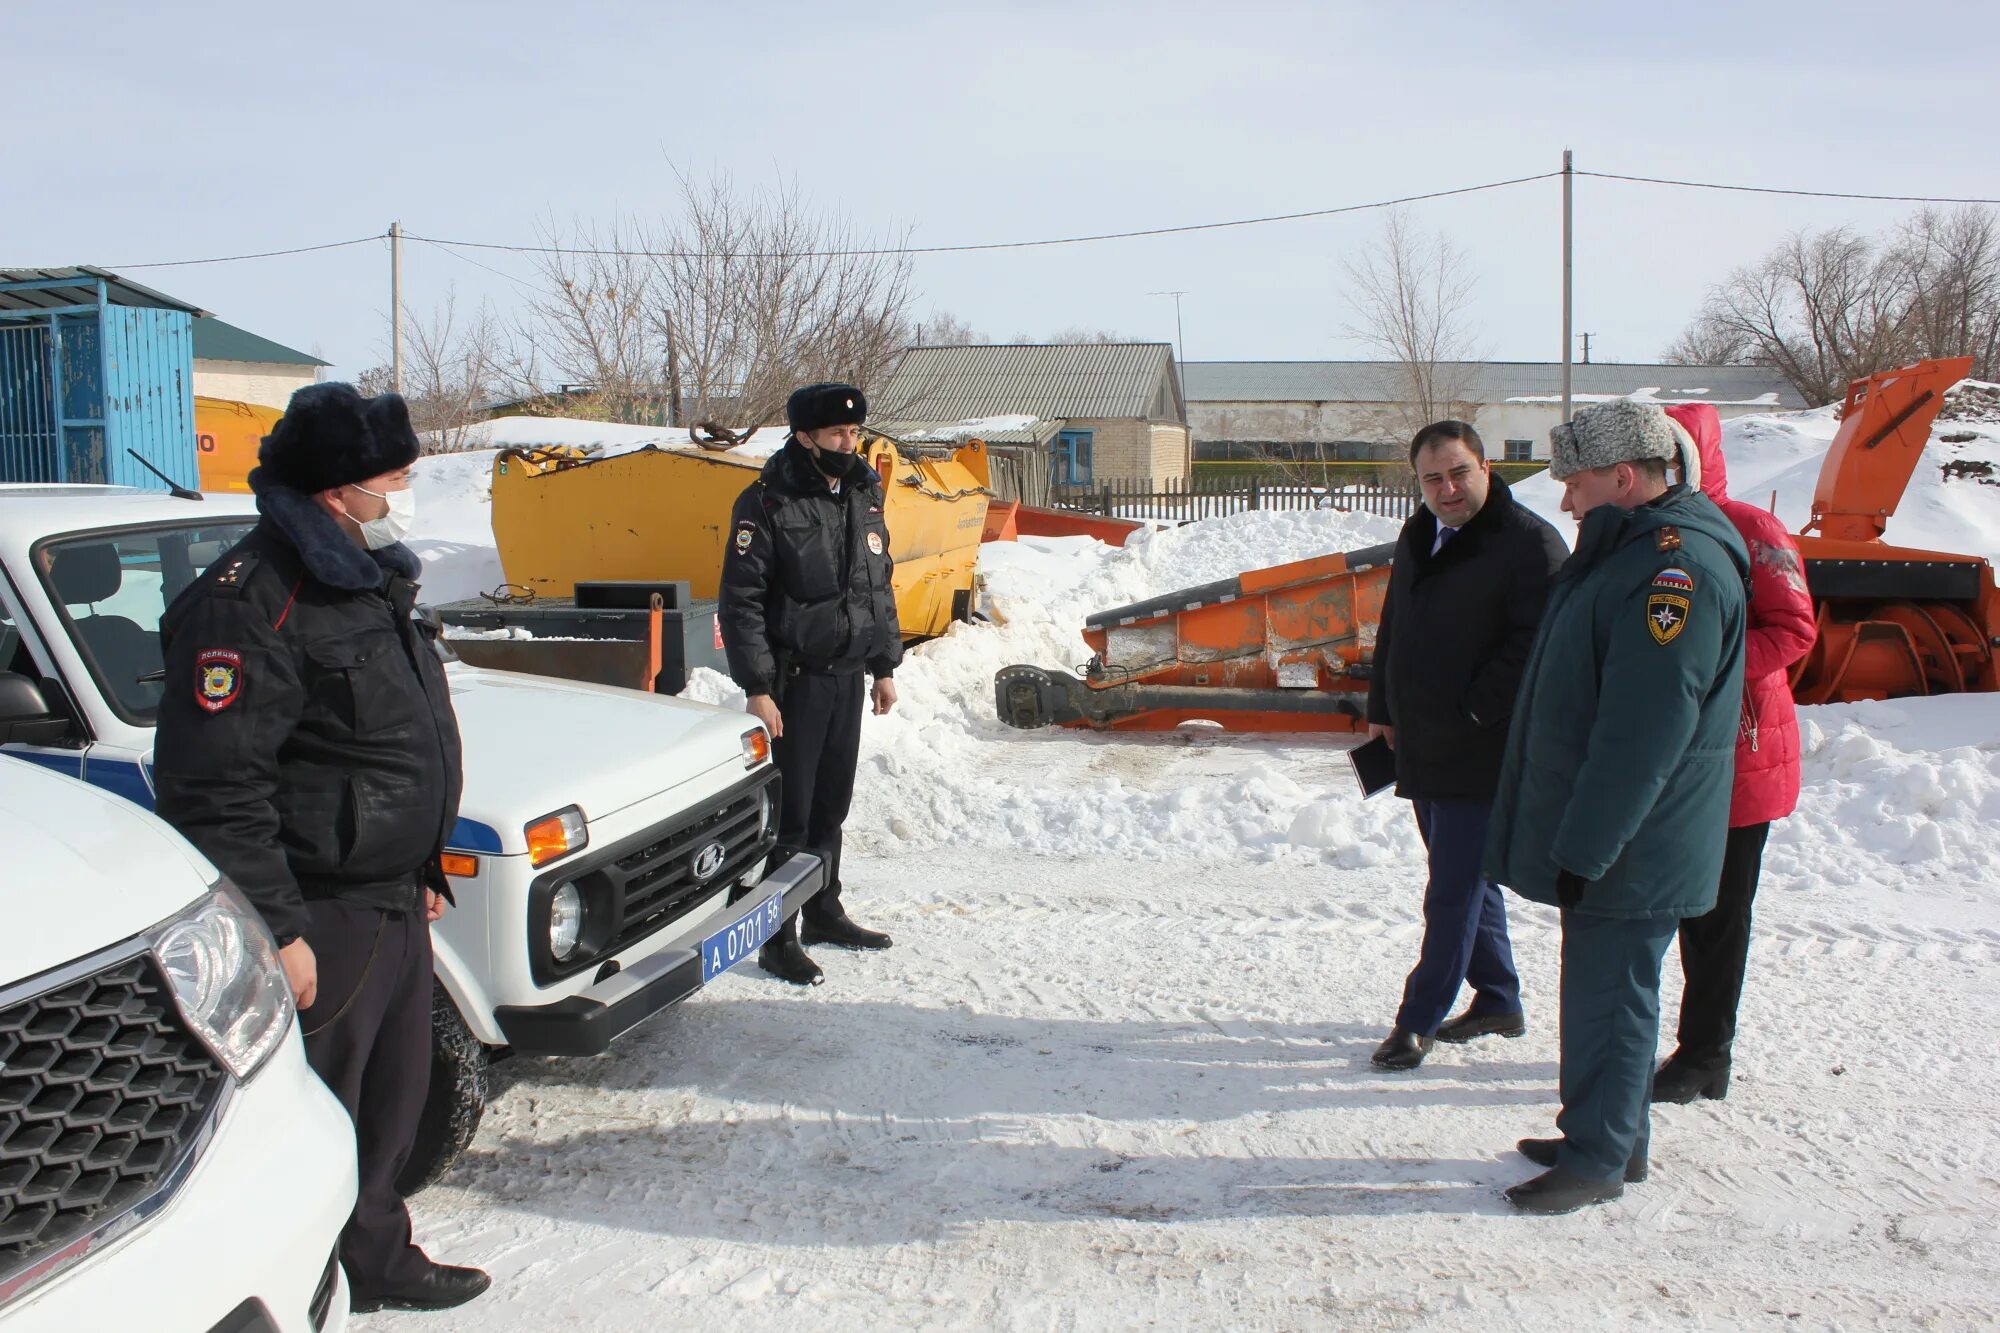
331,436
817,406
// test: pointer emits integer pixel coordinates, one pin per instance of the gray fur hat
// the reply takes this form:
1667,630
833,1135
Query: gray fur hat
1622,430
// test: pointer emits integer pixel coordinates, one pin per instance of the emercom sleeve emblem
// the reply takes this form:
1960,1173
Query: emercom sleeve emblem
1666,615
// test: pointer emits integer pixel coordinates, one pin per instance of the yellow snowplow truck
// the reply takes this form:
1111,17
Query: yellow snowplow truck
561,518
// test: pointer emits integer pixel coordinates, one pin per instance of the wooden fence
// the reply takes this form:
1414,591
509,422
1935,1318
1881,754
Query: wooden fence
1179,499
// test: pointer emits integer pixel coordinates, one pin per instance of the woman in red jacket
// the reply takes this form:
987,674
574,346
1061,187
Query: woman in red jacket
1781,631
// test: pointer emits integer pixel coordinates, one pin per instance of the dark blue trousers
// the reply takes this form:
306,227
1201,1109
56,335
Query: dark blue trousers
1610,1032
1465,923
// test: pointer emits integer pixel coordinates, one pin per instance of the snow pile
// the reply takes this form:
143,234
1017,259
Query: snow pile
1952,502
608,437
1901,792
1972,400
455,524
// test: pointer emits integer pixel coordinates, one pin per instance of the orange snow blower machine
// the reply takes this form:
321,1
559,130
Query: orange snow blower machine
1280,649
1289,649
1893,622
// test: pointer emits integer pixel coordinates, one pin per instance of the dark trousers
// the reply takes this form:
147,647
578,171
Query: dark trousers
1465,923
816,758
368,1035
1714,950
1610,1029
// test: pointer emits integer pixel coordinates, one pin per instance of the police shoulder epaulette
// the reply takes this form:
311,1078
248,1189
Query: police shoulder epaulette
234,577
1669,539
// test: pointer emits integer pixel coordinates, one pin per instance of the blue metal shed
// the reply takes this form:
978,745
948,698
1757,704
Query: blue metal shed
91,366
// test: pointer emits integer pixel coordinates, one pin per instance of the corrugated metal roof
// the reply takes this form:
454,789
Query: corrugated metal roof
216,341
940,432
1478,381
1055,382
78,286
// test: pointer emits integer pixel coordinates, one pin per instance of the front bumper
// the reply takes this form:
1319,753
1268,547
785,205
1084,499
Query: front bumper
251,1231
588,1022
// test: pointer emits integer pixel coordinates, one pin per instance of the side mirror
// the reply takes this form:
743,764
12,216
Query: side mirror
25,717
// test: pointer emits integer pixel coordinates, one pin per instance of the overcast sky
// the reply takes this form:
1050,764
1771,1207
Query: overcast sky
137,131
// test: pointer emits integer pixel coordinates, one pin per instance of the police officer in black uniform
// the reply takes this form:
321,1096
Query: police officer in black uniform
307,747
806,609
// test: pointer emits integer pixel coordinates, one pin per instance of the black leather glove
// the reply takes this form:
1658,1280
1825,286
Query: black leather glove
1569,888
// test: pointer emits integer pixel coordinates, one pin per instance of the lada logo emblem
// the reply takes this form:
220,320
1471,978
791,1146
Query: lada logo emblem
709,860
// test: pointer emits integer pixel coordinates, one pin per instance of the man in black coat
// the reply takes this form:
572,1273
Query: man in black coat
808,607
1466,593
307,747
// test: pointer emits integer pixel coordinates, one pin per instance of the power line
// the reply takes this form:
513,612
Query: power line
445,246
262,254
990,245
455,245
1772,189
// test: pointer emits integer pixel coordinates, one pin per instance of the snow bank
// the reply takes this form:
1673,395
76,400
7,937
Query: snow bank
609,437
1952,503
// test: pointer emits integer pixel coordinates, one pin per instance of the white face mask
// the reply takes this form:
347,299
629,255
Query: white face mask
393,526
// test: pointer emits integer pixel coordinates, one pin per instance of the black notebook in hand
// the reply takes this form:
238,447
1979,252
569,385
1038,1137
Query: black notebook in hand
1374,766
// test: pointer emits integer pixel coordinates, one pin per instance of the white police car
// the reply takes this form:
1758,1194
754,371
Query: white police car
168,1160
611,852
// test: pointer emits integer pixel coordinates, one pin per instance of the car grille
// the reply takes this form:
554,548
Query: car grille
658,877
103,1093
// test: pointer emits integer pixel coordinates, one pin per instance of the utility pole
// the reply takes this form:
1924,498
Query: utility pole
1569,178
1586,347
396,306
1180,347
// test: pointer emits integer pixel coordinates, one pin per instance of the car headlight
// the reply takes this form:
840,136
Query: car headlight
764,811
565,922
228,983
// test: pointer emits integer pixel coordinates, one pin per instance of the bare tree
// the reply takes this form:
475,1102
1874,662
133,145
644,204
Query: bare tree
750,294
941,328
1823,308
588,321
1412,293
1704,344
453,367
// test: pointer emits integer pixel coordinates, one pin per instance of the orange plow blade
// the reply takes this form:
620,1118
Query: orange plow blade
1281,649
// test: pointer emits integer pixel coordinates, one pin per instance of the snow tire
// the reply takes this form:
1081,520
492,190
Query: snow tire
456,1101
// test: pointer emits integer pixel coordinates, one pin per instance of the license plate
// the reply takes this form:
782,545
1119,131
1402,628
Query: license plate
741,938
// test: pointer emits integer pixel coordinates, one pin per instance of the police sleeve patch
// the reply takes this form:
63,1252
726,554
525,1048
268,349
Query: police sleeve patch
746,532
1666,615
218,679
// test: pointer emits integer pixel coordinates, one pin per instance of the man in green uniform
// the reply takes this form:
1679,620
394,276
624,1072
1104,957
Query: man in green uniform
1614,794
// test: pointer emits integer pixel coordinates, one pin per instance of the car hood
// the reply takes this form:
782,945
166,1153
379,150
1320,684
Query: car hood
534,745
85,869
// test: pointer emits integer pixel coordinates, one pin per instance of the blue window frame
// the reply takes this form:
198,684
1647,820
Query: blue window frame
1073,457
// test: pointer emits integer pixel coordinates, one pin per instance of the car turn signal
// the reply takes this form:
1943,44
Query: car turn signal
756,747
459,866
556,835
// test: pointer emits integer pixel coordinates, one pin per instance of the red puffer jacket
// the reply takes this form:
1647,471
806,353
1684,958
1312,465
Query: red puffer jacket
1781,632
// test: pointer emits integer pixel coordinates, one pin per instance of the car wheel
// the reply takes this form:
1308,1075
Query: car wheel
456,1101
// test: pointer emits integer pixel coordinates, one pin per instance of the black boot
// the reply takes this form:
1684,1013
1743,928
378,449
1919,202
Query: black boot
1542,1152
840,931
1468,1025
1679,1084
784,959
1401,1049
438,1287
1559,1191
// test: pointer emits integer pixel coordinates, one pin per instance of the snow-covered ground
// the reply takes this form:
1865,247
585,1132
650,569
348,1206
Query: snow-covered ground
1115,1072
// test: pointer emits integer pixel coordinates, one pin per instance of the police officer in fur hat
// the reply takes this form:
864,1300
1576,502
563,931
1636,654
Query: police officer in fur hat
1614,792
307,747
807,614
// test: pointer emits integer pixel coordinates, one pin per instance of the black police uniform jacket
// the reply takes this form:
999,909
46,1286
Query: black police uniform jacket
306,742
807,576
1454,638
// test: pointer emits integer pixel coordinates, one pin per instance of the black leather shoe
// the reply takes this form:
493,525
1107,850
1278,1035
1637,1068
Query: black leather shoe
1678,1084
439,1287
841,932
1559,1191
1542,1152
1401,1049
785,960
1468,1025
